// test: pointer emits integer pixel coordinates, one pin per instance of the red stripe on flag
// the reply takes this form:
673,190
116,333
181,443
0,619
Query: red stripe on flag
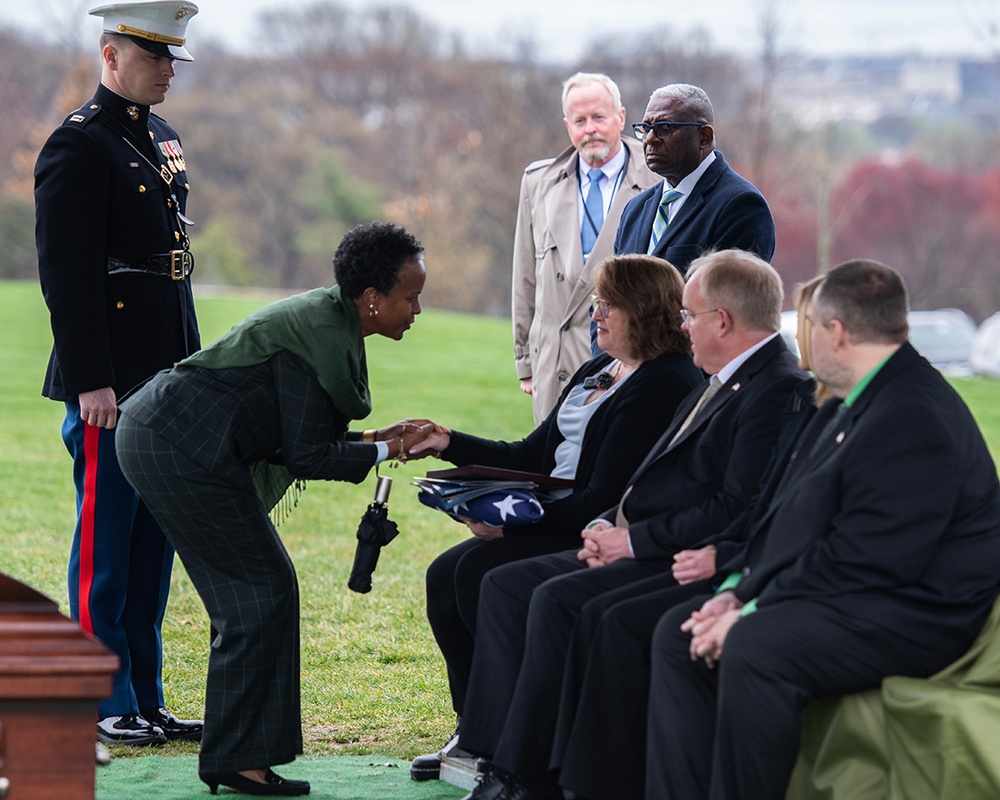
91,444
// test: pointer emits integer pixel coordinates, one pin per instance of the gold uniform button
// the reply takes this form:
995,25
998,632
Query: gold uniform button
177,236
119,305
95,106
142,189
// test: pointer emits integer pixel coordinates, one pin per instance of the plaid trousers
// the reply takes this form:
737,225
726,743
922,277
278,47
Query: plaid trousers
234,556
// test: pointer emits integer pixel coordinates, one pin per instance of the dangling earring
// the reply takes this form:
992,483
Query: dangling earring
372,311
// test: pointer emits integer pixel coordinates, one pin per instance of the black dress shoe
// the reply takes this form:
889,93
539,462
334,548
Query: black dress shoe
274,784
515,790
129,729
491,786
428,767
172,727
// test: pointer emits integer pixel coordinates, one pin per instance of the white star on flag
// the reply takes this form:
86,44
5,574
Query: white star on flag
506,506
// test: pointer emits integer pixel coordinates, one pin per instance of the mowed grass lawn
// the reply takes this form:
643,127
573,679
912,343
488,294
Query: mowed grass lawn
372,678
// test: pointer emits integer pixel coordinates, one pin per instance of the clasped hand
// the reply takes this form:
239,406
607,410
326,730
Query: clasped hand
710,625
604,544
403,438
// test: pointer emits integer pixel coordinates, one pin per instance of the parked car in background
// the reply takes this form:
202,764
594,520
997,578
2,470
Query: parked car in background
944,337
985,356
789,325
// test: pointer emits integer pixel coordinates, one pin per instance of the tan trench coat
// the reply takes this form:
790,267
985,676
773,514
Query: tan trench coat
551,286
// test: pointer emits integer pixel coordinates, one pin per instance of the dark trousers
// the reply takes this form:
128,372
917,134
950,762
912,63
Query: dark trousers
600,741
236,561
732,733
119,568
453,581
526,616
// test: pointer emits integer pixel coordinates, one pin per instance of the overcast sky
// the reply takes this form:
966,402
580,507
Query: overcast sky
559,27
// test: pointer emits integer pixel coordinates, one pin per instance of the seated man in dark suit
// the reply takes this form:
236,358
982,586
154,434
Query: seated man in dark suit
701,204
878,554
695,480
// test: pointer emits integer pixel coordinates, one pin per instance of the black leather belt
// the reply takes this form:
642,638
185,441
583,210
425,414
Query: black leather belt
176,265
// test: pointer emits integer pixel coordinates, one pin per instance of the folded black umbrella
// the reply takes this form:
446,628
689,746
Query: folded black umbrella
374,532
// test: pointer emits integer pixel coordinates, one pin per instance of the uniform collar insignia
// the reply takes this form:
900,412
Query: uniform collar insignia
133,112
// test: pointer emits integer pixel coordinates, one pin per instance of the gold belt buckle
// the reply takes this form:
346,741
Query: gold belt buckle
181,264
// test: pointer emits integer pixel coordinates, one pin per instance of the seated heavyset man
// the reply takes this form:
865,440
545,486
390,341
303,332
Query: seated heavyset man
695,480
879,554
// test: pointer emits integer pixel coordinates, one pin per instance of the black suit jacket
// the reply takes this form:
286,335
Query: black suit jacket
893,513
687,490
725,210
98,194
619,434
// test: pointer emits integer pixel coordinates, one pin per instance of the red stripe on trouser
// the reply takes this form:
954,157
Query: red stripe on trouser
91,448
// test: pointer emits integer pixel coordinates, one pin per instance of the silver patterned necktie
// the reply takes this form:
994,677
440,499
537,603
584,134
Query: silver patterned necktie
713,386
662,219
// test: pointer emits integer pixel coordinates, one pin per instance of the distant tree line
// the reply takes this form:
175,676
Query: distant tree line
354,114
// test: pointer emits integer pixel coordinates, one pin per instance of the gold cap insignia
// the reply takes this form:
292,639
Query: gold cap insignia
182,12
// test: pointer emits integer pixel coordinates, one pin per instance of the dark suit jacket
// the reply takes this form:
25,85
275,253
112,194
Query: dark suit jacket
618,436
894,516
731,543
689,489
725,210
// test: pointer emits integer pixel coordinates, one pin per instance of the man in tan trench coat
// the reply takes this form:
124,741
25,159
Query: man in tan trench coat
567,218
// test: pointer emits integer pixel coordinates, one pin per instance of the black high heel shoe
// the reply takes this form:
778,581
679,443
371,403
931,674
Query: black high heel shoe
274,784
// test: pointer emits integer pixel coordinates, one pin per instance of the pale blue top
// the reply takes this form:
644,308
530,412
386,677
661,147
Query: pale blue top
572,420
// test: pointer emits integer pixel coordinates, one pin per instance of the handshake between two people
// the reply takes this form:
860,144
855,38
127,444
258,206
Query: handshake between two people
414,439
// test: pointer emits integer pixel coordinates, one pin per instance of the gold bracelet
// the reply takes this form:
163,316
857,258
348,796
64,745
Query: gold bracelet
368,436
400,457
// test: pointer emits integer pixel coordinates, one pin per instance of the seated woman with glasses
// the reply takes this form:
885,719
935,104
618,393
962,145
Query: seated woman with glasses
615,408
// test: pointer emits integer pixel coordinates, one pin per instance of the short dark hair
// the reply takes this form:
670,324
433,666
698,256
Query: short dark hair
868,297
649,291
373,254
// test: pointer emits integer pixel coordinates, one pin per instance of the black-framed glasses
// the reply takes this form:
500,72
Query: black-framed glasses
600,304
687,316
661,130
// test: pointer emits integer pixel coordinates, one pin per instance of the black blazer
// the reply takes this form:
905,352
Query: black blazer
731,542
692,488
893,513
725,210
617,438
97,197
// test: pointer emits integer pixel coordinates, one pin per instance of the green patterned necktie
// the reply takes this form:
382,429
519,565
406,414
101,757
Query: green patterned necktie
660,223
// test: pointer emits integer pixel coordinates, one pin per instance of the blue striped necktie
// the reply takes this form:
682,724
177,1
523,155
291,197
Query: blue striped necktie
661,220
593,215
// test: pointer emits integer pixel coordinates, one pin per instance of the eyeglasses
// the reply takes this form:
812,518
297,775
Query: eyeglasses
687,316
602,305
661,130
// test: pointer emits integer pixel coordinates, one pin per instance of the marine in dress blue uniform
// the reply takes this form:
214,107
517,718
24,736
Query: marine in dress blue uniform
111,188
